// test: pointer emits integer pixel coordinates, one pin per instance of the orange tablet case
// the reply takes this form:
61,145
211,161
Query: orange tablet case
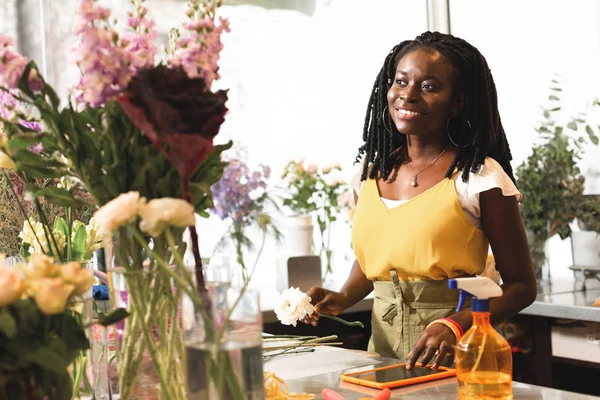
446,373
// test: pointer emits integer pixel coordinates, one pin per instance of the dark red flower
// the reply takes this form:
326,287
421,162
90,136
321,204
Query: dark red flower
170,108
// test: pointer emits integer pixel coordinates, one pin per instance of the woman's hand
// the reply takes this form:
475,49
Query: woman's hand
437,337
325,302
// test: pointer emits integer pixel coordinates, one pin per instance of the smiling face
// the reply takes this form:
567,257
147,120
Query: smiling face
424,93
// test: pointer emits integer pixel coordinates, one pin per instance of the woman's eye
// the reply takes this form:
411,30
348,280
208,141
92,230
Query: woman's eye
428,87
400,82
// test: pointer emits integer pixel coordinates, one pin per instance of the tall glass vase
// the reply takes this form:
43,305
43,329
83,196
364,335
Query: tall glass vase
224,346
149,347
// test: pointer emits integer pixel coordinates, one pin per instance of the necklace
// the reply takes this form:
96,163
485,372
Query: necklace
414,182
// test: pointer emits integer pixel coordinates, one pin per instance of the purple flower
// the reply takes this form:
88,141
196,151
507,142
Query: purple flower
8,103
240,192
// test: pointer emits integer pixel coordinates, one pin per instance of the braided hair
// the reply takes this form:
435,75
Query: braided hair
479,129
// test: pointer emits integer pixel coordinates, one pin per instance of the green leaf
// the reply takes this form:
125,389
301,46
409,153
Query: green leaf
556,89
40,172
555,109
24,79
553,98
25,249
572,125
46,358
8,325
116,316
61,225
591,134
24,141
60,197
27,157
79,243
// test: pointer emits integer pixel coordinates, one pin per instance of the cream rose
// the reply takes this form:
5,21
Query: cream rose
11,285
292,306
157,214
6,162
78,276
40,266
118,211
312,168
51,294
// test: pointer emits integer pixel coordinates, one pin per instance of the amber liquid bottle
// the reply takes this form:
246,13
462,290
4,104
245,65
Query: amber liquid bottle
483,357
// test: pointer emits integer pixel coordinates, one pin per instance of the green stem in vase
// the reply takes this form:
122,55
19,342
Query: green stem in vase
343,321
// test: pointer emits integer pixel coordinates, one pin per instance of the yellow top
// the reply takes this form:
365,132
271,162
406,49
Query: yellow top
428,237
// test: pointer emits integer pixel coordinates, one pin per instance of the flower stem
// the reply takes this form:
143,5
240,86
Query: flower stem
343,321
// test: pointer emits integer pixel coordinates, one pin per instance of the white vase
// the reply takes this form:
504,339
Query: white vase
299,238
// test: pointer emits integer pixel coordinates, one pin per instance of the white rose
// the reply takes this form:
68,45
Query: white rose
6,162
11,285
118,211
312,168
326,170
157,214
292,306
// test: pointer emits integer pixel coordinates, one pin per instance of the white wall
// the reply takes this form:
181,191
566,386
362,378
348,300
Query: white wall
525,44
299,84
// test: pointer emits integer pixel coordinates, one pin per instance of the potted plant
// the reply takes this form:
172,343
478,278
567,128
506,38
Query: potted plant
551,181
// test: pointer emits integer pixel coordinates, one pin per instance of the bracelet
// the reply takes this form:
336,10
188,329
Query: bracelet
456,324
449,325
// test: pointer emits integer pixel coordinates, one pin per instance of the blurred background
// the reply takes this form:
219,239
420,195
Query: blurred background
299,74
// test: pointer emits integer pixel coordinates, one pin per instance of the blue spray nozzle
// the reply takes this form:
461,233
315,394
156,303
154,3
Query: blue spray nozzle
462,296
480,288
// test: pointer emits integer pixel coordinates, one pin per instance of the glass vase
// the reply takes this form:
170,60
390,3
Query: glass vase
223,345
148,343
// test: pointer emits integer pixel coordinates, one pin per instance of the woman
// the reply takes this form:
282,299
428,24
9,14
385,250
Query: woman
435,191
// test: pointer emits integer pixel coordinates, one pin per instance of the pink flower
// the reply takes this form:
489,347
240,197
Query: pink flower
108,63
199,54
12,65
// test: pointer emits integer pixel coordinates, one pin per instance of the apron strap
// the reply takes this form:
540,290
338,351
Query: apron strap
400,305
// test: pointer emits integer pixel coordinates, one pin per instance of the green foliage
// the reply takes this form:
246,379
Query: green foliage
36,349
103,150
551,182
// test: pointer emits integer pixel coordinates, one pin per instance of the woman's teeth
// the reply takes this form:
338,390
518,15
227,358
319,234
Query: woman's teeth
407,113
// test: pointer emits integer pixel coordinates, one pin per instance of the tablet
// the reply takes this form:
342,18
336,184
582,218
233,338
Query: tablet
396,375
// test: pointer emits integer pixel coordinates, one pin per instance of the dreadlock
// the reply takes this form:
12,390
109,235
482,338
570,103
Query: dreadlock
484,138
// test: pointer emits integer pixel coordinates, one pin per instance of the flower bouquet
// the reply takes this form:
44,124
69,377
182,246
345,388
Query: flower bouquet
310,190
139,139
41,334
241,197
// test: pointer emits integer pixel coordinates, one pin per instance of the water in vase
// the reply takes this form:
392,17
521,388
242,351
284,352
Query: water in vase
246,363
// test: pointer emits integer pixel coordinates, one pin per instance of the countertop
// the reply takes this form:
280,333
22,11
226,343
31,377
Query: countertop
557,298
438,390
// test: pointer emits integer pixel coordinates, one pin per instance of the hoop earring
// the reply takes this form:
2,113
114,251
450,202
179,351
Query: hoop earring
383,121
450,137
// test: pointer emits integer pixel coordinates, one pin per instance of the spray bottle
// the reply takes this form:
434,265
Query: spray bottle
483,357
